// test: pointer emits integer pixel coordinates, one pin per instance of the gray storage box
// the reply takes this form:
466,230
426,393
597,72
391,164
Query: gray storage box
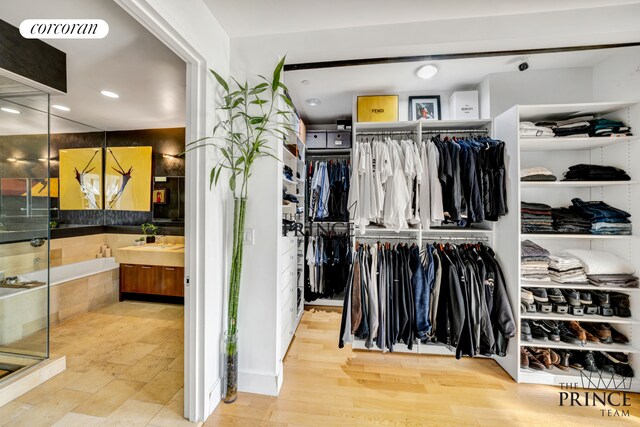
338,139
316,139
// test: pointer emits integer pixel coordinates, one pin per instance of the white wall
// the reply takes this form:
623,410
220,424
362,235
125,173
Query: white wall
484,98
259,367
198,35
538,87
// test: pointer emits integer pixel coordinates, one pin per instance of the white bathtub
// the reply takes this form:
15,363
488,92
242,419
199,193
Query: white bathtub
64,273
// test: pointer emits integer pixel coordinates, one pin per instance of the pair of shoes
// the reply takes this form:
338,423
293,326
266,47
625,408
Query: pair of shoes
526,297
525,330
539,358
614,363
605,333
528,360
621,304
566,335
576,298
556,296
541,330
534,294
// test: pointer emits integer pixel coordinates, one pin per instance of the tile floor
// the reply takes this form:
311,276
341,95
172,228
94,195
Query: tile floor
124,368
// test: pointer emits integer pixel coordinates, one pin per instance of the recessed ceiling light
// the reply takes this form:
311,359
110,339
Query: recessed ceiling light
427,71
109,94
312,102
60,107
305,82
10,110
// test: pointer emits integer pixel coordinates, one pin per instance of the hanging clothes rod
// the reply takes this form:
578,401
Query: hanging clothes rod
456,238
436,131
384,237
383,132
337,156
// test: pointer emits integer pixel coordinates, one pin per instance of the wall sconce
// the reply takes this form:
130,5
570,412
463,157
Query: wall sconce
170,156
12,160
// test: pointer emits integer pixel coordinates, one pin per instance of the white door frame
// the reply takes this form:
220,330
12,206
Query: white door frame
197,73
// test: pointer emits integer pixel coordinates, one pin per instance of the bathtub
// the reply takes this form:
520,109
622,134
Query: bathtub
63,274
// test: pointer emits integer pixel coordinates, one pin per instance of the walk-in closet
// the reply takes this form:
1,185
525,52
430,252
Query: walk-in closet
497,226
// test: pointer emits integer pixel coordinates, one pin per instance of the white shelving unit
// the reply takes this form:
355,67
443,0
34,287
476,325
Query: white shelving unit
291,280
574,184
558,154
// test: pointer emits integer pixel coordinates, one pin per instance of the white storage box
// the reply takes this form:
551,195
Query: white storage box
464,105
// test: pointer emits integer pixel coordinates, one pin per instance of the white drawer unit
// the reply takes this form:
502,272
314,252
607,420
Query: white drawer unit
288,244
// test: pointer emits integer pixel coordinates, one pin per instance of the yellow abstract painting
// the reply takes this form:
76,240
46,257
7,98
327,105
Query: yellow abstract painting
128,179
80,179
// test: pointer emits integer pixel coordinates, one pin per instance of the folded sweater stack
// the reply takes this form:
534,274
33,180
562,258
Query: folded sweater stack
567,270
536,218
534,262
585,172
537,174
530,130
583,126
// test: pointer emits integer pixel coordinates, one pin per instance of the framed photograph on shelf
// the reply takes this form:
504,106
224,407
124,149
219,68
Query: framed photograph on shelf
424,107
160,196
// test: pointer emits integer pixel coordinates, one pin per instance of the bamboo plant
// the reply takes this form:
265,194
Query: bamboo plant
251,117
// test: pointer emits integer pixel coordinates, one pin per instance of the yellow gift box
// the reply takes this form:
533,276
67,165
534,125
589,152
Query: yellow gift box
379,108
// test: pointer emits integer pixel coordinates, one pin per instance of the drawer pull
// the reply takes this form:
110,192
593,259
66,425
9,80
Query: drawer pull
146,268
169,268
129,266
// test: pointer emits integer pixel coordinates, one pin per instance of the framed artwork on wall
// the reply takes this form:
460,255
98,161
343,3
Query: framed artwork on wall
128,179
424,107
160,196
80,179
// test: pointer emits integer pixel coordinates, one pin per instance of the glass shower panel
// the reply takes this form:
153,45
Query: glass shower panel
24,226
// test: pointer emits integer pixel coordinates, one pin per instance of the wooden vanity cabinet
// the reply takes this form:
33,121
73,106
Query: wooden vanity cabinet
152,280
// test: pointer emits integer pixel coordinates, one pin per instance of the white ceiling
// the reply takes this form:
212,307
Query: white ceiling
150,78
336,87
242,18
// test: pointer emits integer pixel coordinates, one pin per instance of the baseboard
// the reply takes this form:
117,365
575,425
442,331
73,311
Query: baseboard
259,382
215,396
31,378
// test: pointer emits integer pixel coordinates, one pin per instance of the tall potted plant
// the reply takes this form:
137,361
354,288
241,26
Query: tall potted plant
250,117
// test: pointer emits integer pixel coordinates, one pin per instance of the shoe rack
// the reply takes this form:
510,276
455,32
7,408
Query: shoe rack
557,154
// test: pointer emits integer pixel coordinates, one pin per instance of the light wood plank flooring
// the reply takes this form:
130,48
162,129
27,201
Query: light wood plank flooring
327,386
124,367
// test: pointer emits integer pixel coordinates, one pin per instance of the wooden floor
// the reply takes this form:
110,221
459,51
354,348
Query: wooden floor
327,386
124,367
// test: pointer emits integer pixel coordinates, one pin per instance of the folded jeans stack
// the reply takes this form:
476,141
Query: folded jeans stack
534,262
537,174
570,220
566,270
605,219
530,130
606,127
536,218
584,172
604,268
575,127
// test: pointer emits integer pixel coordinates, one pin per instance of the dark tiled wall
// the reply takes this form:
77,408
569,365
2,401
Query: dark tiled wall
30,147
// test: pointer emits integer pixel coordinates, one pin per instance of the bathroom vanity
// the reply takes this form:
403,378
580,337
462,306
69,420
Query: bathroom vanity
152,269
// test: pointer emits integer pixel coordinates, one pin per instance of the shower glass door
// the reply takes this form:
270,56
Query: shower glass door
25,189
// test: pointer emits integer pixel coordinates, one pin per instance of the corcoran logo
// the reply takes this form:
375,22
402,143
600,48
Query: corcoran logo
377,110
64,28
614,393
